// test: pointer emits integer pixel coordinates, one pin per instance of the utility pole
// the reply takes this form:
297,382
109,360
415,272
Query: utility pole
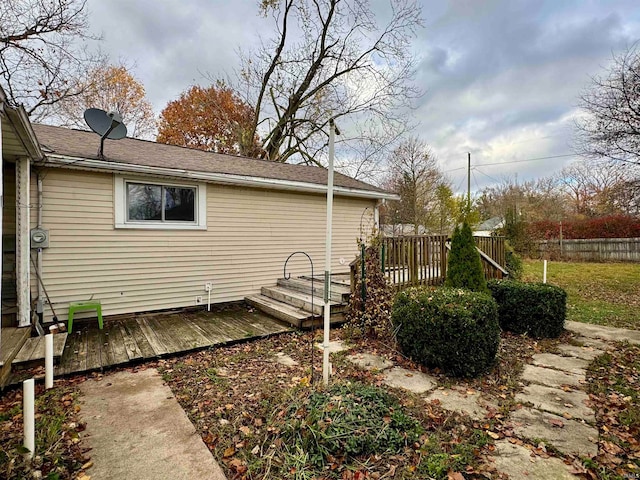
469,183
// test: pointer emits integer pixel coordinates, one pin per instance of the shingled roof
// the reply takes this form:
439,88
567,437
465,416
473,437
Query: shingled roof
60,141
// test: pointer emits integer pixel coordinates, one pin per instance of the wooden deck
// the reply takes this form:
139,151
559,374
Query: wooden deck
12,340
141,337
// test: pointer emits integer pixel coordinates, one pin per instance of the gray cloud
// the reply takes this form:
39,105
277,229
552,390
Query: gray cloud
501,77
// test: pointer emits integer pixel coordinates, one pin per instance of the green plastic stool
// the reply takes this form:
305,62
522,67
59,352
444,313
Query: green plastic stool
83,306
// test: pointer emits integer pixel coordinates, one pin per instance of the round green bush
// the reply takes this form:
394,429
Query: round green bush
536,309
454,329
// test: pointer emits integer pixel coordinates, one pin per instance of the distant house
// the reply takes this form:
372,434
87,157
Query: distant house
397,229
145,227
489,227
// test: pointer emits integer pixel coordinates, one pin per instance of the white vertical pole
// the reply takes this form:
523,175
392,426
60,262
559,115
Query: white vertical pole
28,415
544,272
326,366
48,361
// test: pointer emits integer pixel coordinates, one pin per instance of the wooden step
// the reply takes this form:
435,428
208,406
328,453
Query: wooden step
13,339
339,292
312,304
282,311
318,322
33,350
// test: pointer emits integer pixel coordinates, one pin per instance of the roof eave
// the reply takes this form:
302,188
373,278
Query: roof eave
220,178
19,121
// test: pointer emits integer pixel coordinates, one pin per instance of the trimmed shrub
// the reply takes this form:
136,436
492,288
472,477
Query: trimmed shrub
537,309
450,328
464,269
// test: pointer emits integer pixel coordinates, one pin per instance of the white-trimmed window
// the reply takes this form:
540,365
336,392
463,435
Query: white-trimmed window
143,203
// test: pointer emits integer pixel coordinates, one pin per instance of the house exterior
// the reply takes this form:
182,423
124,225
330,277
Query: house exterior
147,226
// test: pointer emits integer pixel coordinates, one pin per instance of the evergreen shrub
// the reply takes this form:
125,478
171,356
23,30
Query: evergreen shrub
450,328
514,262
536,309
464,268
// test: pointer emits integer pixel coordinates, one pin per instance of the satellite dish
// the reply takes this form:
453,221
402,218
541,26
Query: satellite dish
107,125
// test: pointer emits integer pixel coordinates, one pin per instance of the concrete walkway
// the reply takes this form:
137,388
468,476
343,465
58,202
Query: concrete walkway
138,431
555,405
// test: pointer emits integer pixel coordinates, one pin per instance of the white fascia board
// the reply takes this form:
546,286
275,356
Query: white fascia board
221,178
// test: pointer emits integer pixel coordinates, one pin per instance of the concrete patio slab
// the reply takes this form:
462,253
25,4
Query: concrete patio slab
558,401
593,342
369,361
335,346
470,404
568,436
568,364
550,377
411,380
585,353
138,431
517,462
284,359
610,334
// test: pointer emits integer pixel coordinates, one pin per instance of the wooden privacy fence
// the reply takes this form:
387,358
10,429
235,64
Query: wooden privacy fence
593,249
410,260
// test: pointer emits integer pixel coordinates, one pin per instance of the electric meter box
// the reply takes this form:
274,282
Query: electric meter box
39,238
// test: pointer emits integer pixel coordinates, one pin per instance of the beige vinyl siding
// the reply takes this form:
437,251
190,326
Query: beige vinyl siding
250,232
9,199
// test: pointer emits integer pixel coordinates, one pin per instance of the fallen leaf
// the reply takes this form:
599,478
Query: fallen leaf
556,423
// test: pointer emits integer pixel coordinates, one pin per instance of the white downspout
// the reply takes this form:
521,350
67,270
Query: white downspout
40,304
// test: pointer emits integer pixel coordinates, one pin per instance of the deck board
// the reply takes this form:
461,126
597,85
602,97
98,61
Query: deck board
95,349
117,351
74,357
156,343
137,338
34,349
130,344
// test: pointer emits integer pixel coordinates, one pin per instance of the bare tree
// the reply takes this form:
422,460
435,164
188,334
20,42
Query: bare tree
601,187
330,59
42,51
415,176
611,127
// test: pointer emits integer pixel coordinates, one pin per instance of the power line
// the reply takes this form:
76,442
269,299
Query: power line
488,176
525,160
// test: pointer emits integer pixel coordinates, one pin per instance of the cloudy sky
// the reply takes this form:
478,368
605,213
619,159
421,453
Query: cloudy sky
501,77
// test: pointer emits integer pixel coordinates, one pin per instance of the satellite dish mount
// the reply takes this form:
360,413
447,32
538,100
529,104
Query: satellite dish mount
107,125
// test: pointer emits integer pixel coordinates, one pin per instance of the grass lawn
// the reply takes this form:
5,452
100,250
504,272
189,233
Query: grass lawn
600,293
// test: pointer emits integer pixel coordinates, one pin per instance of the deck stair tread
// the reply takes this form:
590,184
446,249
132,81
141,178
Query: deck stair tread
339,293
33,349
278,309
12,340
302,300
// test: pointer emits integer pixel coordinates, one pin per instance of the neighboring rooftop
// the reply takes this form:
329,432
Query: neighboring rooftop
84,144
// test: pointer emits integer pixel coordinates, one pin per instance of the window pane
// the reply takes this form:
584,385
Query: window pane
179,204
144,201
